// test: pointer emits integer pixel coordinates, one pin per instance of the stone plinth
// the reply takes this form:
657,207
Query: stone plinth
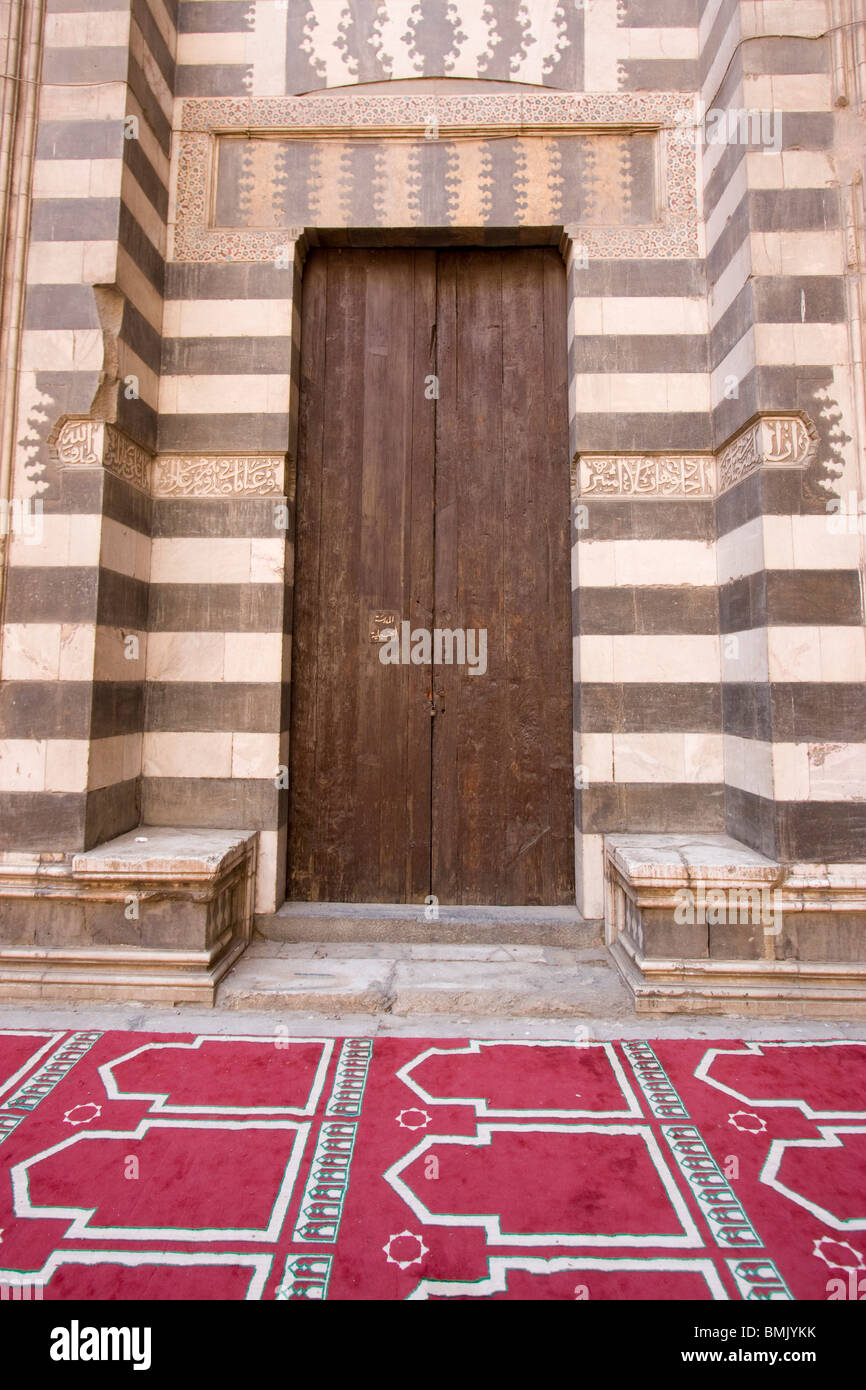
701,923
156,914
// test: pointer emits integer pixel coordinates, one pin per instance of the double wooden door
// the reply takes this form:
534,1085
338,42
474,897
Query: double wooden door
433,490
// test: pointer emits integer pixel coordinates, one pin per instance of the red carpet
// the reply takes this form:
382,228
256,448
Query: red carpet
161,1166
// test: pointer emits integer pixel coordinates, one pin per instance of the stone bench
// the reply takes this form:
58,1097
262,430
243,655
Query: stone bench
158,914
702,923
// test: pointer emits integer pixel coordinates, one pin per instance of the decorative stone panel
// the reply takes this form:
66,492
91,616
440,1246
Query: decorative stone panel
176,906
611,164
219,475
703,924
82,442
775,441
79,440
646,475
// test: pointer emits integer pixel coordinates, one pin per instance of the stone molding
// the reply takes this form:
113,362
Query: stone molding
772,441
523,115
778,988
469,113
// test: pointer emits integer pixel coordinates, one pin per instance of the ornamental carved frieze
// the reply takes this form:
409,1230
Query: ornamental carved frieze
253,171
646,475
775,441
123,457
80,441
219,475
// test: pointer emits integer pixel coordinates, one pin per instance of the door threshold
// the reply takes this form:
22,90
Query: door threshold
466,924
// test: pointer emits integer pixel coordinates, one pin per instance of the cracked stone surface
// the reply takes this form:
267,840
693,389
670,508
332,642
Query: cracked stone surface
527,981
432,991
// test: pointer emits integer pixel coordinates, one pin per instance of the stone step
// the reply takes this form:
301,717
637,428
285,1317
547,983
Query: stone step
408,978
413,923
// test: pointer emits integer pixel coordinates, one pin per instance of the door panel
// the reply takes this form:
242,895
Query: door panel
449,513
502,764
359,824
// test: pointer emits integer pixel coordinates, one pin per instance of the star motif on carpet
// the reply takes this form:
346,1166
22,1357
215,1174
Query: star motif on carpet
407,1124
840,1245
84,1118
416,1259
758,1127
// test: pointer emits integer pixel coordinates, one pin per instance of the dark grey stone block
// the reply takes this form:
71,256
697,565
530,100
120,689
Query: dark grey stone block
225,433
75,219
216,608
639,707
204,707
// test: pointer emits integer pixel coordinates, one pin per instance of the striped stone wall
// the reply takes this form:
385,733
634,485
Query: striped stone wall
144,212
219,649
790,578
719,654
141,257
645,604
75,614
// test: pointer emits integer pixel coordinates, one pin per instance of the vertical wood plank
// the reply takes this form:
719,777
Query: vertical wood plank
302,853
503,802
359,825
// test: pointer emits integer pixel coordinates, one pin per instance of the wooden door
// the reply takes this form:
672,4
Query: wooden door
449,511
359,772
503,799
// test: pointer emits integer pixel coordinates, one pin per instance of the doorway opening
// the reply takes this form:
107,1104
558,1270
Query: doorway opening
431,727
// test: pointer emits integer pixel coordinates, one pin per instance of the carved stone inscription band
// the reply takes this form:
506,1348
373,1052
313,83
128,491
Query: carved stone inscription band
224,475
647,475
79,440
82,442
775,441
